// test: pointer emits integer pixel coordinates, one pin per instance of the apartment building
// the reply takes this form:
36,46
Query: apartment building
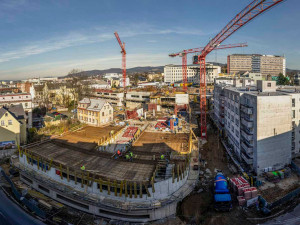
8,99
94,112
264,64
114,98
12,126
257,121
55,94
173,73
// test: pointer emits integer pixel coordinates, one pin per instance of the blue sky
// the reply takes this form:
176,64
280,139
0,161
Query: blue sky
50,38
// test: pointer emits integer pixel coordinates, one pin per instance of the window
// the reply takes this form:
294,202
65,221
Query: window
102,113
9,122
269,84
3,123
109,111
293,113
293,102
26,105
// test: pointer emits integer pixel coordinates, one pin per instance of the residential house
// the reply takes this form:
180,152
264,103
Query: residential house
12,125
94,112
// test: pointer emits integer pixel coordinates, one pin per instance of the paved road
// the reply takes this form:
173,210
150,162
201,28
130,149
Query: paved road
290,218
12,214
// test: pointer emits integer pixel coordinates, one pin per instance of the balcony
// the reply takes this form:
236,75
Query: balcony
247,109
247,159
248,137
247,117
248,124
247,149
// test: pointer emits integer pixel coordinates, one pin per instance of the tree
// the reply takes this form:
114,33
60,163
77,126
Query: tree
282,80
78,87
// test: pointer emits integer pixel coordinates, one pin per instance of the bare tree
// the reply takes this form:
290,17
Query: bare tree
79,88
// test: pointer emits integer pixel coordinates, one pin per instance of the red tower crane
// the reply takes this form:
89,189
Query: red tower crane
251,11
184,53
123,51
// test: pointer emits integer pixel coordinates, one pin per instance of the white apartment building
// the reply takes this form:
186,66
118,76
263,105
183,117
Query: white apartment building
25,99
114,98
256,63
257,121
173,73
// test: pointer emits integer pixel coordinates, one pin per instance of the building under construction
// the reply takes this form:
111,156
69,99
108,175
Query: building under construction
145,188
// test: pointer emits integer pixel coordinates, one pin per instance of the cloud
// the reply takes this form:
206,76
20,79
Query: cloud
60,68
94,35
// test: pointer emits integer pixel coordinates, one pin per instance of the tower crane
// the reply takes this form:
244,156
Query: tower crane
251,11
123,51
184,53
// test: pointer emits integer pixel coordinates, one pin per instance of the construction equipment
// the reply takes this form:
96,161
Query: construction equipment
251,11
184,53
222,197
123,51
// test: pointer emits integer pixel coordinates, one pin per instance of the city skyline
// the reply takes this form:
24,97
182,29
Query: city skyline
51,38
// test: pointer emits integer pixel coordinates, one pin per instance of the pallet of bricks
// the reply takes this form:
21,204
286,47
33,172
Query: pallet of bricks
242,189
130,132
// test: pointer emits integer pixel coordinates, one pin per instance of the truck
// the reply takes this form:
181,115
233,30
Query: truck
222,197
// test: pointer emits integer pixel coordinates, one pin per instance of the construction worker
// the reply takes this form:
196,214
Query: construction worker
162,156
127,157
82,167
131,156
119,153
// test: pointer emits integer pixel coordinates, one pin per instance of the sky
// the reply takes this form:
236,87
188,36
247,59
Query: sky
41,38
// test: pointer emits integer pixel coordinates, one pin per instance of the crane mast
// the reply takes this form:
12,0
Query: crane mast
123,51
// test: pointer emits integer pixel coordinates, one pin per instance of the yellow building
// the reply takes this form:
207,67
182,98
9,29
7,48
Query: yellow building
55,94
12,125
95,112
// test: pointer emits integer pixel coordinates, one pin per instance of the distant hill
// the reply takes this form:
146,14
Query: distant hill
144,69
292,71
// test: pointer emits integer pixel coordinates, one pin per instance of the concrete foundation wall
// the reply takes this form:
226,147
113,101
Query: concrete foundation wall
131,215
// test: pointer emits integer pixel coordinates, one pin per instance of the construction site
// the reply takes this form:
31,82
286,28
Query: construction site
159,157
144,188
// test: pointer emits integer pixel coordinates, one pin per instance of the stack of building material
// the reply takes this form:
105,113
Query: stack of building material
241,200
160,125
243,190
130,132
247,193
152,106
131,114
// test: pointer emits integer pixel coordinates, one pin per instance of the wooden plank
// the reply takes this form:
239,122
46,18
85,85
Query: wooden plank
126,193
141,190
115,184
68,175
130,189
135,190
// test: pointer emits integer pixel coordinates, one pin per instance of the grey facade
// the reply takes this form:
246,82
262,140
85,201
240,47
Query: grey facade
258,123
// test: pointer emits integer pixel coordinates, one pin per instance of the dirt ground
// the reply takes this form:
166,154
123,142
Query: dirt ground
214,154
161,142
88,137
198,207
